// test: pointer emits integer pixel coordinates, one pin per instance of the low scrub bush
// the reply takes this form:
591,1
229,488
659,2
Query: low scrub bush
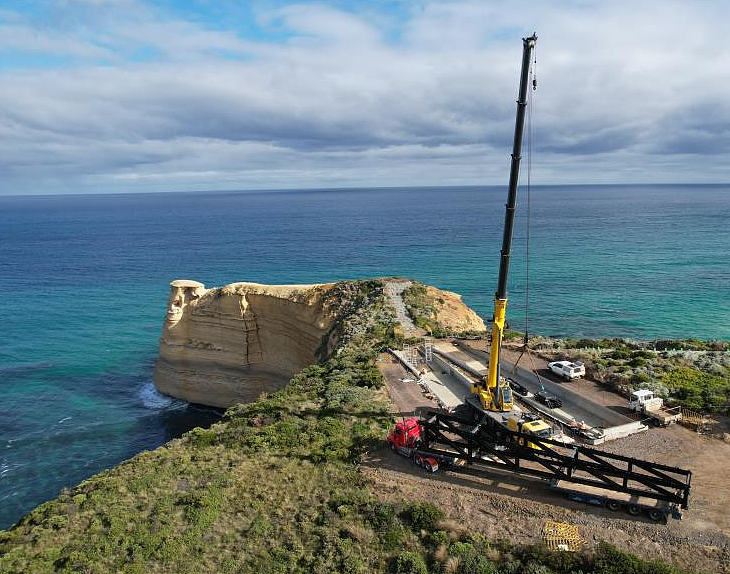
697,389
423,516
410,563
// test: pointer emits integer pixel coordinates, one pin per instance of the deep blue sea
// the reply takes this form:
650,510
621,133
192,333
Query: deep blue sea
85,283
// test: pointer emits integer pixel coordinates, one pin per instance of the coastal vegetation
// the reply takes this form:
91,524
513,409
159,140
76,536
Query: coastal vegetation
422,308
428,307
275,487
691,373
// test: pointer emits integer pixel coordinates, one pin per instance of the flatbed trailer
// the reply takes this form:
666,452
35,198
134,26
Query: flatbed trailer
583,473
656,510
664,416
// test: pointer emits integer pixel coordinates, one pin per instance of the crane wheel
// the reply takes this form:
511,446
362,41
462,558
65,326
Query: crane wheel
634,510
613,506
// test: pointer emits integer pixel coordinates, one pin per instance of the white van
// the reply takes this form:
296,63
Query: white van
568,370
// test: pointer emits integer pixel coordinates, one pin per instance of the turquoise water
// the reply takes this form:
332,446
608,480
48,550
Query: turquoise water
85,282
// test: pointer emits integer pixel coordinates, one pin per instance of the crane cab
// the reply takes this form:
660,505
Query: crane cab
498,398
531,425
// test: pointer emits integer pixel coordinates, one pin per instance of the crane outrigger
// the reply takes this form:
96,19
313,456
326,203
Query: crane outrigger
493,391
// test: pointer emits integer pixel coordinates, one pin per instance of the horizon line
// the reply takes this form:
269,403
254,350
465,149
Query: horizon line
353,188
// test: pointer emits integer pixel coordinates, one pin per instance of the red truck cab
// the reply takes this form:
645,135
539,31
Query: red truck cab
405,435
404,440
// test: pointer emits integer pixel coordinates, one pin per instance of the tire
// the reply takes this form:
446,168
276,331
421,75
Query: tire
634,510
419,461
392,447
656,515
613,506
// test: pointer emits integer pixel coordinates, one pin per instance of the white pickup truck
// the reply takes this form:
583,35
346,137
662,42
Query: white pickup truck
568,370
644,401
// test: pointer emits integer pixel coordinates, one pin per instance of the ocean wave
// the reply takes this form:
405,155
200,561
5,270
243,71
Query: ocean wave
152,399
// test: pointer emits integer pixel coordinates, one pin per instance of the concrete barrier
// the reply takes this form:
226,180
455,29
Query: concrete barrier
459,363
621,431
456,373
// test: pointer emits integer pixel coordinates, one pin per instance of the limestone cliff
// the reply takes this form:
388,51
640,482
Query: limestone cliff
228,345
450,311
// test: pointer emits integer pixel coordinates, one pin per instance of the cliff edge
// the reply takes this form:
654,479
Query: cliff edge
228,345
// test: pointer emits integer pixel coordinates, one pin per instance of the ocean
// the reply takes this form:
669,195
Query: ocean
85,282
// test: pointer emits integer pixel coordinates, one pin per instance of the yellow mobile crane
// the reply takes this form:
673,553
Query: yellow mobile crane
493,391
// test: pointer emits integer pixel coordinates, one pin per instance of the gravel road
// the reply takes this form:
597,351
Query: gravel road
394,291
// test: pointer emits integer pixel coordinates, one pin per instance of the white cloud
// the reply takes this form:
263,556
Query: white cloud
627,92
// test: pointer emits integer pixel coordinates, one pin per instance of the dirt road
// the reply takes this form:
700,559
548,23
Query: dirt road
408,397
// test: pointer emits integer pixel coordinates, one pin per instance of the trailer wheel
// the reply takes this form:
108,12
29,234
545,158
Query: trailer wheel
418,461
613,506
634,510
655,515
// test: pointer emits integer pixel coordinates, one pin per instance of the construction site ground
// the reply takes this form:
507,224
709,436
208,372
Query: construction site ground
506,506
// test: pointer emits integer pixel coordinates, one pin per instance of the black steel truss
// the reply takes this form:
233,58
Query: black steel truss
452,436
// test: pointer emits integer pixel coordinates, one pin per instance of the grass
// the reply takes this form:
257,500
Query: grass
275,488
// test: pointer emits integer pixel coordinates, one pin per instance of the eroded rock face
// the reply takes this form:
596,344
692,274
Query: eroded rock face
452,313
228,345
224,346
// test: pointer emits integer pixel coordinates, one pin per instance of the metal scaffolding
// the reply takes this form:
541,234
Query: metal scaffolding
428,349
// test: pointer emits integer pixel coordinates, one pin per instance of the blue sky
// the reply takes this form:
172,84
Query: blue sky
133,95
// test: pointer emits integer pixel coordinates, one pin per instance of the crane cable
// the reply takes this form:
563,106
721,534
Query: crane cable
530,116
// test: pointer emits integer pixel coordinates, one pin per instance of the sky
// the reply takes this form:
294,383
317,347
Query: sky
135,95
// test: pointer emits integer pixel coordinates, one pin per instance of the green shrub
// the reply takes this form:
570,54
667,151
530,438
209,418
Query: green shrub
609,560
697,389
471,559
640,378
201,438
381,515
620,354
410,563
423,516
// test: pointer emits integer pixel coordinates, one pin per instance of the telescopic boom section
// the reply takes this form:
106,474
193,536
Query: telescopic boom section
498,395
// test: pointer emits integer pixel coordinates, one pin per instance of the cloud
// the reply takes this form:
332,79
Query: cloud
318,96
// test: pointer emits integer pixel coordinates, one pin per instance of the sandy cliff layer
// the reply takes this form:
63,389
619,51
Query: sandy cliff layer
224,346
228,345
450,311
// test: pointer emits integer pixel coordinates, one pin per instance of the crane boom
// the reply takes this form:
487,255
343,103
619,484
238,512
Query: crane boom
493,394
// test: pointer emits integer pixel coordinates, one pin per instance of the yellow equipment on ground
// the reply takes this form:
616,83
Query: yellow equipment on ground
561,536
529,425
